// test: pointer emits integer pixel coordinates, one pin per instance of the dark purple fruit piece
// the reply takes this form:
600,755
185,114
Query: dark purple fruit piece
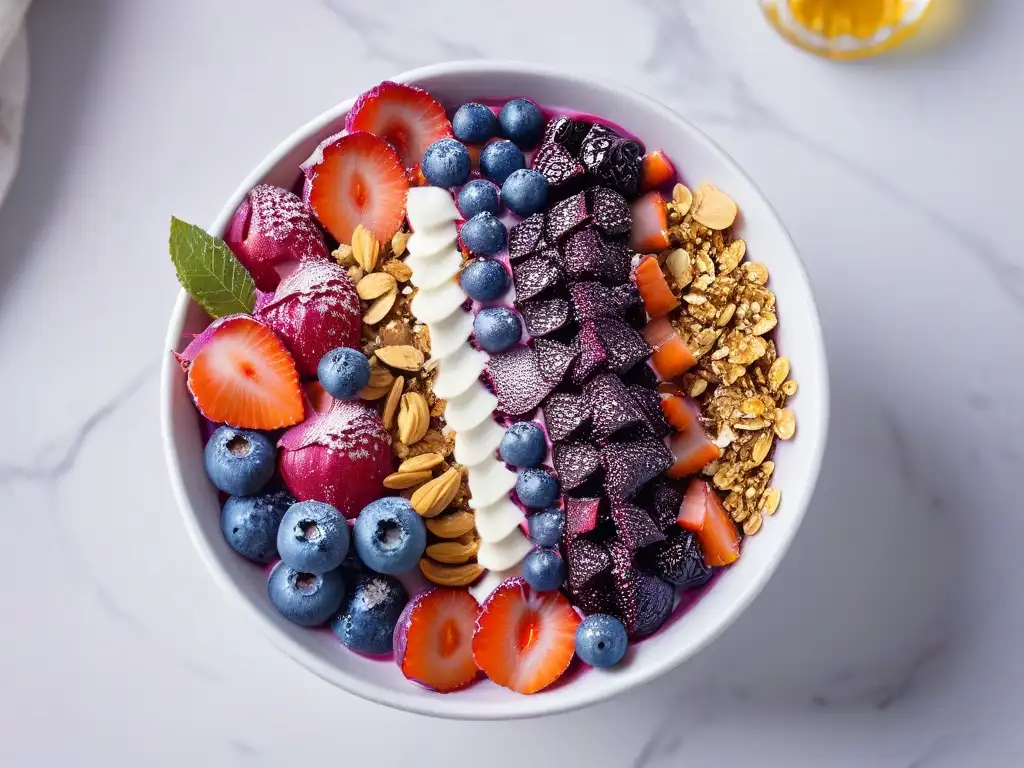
581,516
575,463
592,299
595,599
644,604
565,415
545,316
587,256
619,266
534,276
595,147
641,376
662,500
610,211
612,409
623,345
554,358
629,465
565,131
558,165
586,561
592,355
649,403
526,237
615,161
515,377
633,526
566,217
678,560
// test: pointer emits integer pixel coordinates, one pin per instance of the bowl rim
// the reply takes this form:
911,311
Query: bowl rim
514,706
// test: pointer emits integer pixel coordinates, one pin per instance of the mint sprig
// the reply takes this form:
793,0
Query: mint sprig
209,271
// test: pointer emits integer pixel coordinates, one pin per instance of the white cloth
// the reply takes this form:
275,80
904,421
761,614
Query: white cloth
13,87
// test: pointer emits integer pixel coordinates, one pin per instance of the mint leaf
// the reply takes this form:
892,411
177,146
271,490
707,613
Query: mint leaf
209,271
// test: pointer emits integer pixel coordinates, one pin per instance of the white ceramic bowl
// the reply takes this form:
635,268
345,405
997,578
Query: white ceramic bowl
797,461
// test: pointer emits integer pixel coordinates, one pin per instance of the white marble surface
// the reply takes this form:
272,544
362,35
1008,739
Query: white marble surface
889,637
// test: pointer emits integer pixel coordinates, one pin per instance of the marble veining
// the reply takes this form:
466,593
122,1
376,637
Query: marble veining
889,635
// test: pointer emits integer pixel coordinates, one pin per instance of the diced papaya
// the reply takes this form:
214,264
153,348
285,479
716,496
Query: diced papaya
656,170
650,223
703,513
653,287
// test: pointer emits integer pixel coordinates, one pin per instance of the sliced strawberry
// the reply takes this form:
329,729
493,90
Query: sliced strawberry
690,445
650,223
524,639
407,118
434,639
319,400
671,357
244,377
357,179
656,170
653,287
416,177
703,513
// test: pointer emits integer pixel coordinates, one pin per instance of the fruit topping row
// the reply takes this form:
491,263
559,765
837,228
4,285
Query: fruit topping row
490,394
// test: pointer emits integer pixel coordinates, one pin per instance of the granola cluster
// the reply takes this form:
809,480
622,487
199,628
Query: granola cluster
401,385
726,316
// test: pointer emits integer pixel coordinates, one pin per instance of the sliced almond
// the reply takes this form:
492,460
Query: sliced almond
398,242
452,524
391,406
379,375
344,256
405,357
769,501
778,372
680,267
380,308
421,462
785,424
450,575
375,284
401,480
398,270
433,498
365,248
713,208
373,393
683,198
790,387
413,418
455,551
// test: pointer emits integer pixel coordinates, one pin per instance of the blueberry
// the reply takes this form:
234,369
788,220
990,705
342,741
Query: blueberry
389,536
525,191
485,280
478,196
446,163
497,329
484,234
601,640
367,619
313,537
521,120
523,445
305,598
499,158
239,461
343,372
544,570
250,524
474,123
536,488
546,527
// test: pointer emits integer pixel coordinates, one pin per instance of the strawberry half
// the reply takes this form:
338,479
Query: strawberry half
524,639
434,639
357,179
407,118
244,377
703,513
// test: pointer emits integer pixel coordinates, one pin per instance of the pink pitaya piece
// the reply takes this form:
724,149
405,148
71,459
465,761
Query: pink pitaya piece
628,466
340,457
566,217
662,499
592,354
536,275
271,232
581,516
649,403
526,237
611,406
575,463
565,415
544,316
517,381
314,310
610,210
586,561
554,358
634,526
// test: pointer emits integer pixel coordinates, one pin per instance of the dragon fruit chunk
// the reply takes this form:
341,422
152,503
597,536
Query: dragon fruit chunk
610,211
581,516
629,465
535,275
586,561
517,381
340,457
558,165
662,499
597,598
614,160
649,403
565,415
543,317
644,604
314,310
592,299
586,257
554,358
624,346
610,405
678,560
633,526
526,237
566,217
575,463
592,355
271,232
565,131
